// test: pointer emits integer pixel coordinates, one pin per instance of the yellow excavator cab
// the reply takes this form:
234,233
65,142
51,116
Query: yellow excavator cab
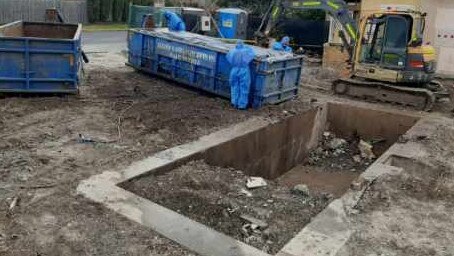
390,62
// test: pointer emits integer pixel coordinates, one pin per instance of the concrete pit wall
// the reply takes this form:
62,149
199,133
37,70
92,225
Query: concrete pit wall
271,151
369,124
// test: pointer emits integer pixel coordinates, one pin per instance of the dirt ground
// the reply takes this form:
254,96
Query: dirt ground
49,144
410,213
317,83
218,197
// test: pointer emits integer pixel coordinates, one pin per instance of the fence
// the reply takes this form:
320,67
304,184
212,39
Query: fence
74,11
112,10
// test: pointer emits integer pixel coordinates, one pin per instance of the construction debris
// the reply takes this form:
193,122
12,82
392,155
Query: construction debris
258,224
301,189
13,204
336,153
256,182
337,143
246,192
84,139
366,150
357,158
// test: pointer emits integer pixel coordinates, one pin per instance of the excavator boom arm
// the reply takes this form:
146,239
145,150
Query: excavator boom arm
338,9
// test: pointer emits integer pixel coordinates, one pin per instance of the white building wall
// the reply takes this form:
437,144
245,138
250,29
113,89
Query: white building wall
440,32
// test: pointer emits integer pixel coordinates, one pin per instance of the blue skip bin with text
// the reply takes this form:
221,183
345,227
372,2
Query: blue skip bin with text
200,62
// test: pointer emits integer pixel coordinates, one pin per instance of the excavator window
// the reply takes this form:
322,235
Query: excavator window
372,43
385,41
398,35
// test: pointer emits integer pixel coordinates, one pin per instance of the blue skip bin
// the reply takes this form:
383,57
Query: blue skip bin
40,57
200,61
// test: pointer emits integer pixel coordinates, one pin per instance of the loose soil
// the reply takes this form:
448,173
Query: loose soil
126,116
49,144
215,197
410,213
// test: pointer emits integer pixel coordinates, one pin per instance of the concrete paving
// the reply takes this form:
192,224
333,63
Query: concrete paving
104,41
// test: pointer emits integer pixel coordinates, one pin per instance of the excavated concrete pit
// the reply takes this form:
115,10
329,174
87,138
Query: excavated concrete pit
256,147
272,151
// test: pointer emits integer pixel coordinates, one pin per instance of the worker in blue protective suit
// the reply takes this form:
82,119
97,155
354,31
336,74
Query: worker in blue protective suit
283,45
174,22
240,76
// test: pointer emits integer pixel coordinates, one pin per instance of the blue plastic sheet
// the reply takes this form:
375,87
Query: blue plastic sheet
283,45
240,76
175,23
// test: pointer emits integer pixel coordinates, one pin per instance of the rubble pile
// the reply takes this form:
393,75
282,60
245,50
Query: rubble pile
334,153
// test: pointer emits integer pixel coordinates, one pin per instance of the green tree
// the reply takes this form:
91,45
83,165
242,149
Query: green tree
257,7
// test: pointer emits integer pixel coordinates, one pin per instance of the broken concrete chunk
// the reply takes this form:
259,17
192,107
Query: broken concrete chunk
254,222
246,192
366,150
337,143
245,229
357,158
256,182
301,189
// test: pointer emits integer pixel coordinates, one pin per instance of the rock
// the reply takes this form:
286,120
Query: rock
337,143
422,137
254,222
254,227
262,212
253,239
403,139
245,229
256,182
246,192
44,160
84,139
357,158
328,196
13,204
338,152
366,150
301,189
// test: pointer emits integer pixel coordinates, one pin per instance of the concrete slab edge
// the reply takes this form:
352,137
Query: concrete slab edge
102,188
330,230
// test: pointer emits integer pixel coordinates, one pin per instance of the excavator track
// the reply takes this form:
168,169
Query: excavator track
419,98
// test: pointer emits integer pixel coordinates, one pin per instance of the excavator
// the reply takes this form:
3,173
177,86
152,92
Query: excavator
389,62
